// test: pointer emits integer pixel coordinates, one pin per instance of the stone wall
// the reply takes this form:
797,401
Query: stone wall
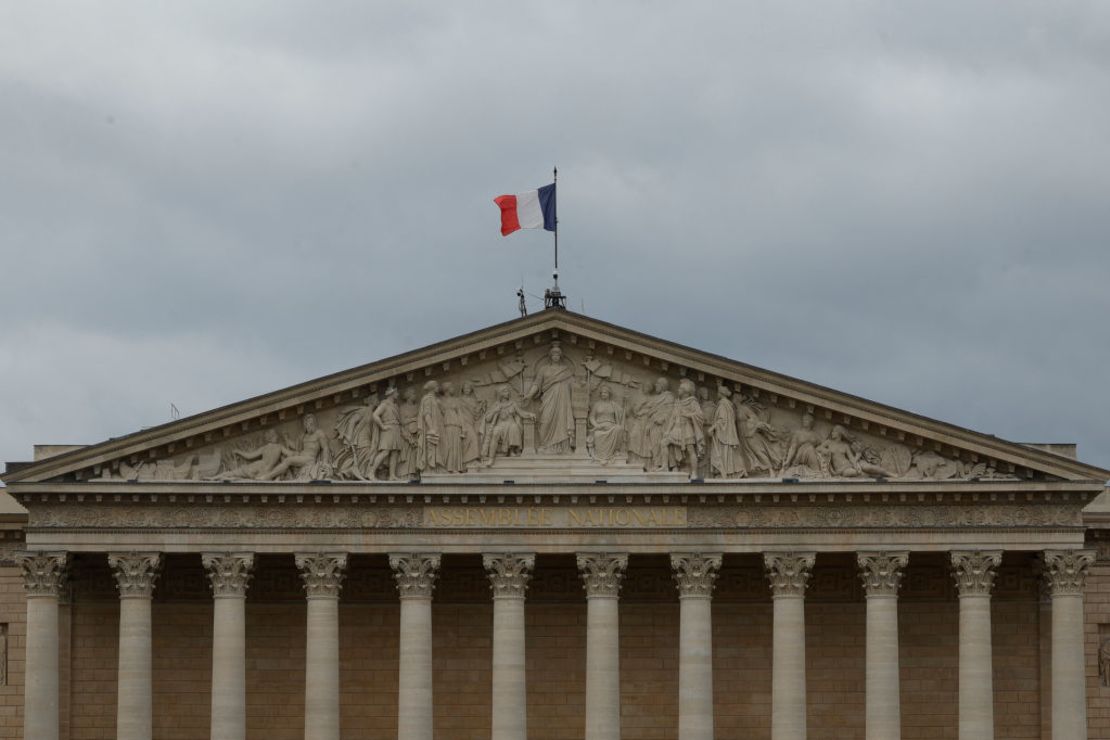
555,651
1097,602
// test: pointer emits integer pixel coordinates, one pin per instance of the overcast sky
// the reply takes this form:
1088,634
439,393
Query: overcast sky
909,201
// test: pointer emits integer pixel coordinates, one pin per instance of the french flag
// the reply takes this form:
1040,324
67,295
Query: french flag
534,209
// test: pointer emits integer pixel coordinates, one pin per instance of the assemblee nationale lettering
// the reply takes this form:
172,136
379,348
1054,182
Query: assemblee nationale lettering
555,516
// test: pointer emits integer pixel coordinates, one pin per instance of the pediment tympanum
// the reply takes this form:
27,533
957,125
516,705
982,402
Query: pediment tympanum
555,396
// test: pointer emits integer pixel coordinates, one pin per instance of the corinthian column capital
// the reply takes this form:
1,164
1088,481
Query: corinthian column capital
602,573
135,573
695,573
881,572
974,571
44,573
229,572
322,573
1066,570
415,573
788,572
509,574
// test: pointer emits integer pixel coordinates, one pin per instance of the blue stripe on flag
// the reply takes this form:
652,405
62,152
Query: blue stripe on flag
547,205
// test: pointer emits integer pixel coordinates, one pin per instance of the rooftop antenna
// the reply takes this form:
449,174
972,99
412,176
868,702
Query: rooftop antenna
553,297
521,305
175,414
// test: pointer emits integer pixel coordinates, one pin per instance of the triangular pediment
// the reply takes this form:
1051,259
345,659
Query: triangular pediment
616,405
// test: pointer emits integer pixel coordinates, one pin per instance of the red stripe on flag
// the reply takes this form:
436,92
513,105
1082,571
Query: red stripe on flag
509,220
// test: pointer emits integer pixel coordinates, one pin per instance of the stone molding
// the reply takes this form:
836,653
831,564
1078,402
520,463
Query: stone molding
348,513
602,573
1065,571
44,573
509,574
415,574
135,573
788,572
229,572
322,573
881,572
975,570
695,573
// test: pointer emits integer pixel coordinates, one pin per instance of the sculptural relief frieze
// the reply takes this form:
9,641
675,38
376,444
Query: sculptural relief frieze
550,401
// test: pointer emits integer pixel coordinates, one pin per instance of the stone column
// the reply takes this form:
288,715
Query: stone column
882,575
509,576
1066,571
44,575
602,574
695,574
788,573
415,574
135,574
974,572
229,573
322,574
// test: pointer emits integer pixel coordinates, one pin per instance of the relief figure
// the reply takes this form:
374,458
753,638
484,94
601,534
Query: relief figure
652,413
429,426
312,461
452,440
391,438
757,440
406,465
724,440
358,435
801,458
684,437
843,461
709,411
606,427
259,462
552,386
502,427
471,411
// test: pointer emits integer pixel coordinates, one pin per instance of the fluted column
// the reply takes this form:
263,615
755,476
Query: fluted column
1066,572
229,574
602,574
974,572
788,573
135,574
695,574
44,575
415,574
508,577
322,574
882,575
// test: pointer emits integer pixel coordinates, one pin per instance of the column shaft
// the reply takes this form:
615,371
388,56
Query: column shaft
603,676
43,578
135,574
229,574
509,576
321,699
695,574
322,574
1066,573
134,717
415,575
788,680
41,678
602,575
882,575
884,714
974,572
789,573
695,668
510,701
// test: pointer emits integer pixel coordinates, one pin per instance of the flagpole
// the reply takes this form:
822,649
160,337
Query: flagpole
555,181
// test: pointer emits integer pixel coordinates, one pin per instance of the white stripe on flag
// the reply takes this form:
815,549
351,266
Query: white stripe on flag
528,211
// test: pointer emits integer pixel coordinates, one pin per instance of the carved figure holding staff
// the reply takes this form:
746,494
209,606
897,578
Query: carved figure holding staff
554,379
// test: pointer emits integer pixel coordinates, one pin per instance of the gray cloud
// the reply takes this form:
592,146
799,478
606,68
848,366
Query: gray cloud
908,202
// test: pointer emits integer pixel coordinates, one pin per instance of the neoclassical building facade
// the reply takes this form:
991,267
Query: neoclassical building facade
555,528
